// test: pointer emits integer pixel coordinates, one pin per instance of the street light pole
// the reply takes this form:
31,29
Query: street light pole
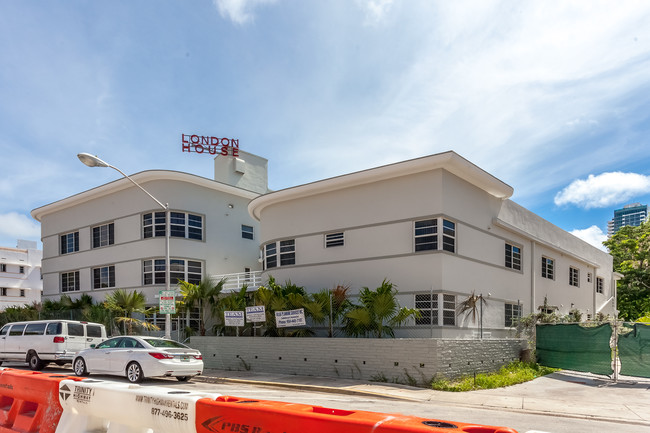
94,161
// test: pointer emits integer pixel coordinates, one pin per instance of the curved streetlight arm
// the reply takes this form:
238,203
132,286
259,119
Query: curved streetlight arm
94,161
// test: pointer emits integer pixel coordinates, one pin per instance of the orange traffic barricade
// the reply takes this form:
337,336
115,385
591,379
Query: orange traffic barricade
236,415
29,401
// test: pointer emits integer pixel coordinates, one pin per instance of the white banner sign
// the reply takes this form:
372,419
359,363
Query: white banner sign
256,314
233,318
285,319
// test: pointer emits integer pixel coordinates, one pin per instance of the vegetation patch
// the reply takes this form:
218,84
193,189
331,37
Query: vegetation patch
511,374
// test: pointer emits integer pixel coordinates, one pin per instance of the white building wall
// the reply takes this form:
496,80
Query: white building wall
222,250
22,288
377,218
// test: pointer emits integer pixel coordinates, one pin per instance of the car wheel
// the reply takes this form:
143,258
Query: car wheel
79,367
134,372
183,378
35,362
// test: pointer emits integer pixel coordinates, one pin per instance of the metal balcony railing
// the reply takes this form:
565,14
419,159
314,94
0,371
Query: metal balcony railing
234,282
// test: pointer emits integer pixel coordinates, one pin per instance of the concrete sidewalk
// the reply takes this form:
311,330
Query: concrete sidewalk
565,393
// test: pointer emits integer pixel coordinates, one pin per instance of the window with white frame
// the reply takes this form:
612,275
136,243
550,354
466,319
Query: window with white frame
287,252
600,285
589,277
512,314
103,235
104,277
334,240
426,235
513,257
3,291
427,305
3,267
21,269
270,256
448,310
448,236
153,271
574,276
22,293
69,243
548,268
70,281
153,224
181,225
247,232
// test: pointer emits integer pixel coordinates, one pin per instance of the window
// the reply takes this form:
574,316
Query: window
3,267
104,277
22,293
76,329
427,304
513,312
334,240
54,329
21,269
513,257
288,252
270,256
103,235
547,268
589,277
69,243
426,235
181,225
93,331
3,291
574,277
247,232
448,310
70,281
35,329
153,271
153,224
448,236
17,330
600,284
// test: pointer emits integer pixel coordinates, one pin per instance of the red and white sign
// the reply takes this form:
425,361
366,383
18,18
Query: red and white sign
210,145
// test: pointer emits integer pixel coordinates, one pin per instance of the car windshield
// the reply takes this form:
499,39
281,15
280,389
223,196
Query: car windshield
159,342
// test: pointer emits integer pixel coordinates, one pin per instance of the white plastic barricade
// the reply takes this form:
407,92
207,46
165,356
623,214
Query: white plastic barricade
108,407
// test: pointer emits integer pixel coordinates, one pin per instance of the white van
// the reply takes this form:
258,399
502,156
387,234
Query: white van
43,341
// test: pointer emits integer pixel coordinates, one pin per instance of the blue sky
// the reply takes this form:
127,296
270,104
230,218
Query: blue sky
552,98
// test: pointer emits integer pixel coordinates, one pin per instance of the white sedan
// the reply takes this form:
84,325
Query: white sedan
139,357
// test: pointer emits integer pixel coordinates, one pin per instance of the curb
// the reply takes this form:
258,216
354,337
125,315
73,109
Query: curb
341,391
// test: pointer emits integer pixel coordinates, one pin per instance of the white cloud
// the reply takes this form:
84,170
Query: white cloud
239,11
592,235
14,226
375,10
603,190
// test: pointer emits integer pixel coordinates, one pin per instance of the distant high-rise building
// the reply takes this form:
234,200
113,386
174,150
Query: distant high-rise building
631,215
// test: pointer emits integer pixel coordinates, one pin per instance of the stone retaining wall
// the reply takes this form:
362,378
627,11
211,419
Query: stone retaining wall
404,360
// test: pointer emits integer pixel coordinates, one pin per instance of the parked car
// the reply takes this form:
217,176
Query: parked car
137,357
40,342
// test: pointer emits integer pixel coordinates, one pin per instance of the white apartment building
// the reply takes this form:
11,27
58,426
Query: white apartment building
440,228
20,275
113,236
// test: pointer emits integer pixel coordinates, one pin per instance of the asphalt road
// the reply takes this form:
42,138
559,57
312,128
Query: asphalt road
521,421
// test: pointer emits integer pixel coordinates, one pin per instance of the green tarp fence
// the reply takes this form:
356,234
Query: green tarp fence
634,351
574,347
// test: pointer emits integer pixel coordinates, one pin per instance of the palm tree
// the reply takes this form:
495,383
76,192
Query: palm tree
472,305
126,303
204,296
378,313
235,301
330,306
276,297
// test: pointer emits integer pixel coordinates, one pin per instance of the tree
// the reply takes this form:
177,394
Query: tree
204,295
126,303
276,297
235,301
630,247
378,313
471,306
330,306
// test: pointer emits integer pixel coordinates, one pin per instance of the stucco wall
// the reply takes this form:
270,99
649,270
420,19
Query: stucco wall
404,360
